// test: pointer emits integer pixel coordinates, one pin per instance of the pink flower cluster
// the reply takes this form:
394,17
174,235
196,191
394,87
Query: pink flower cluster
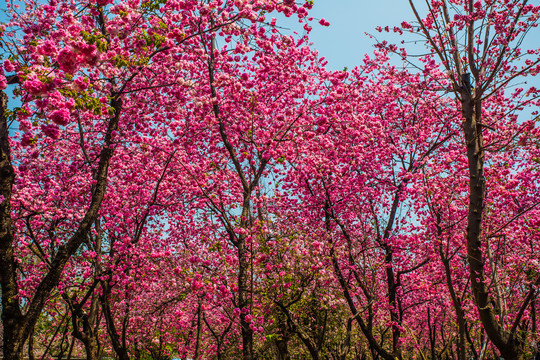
324,22
60,117
50,130
69,59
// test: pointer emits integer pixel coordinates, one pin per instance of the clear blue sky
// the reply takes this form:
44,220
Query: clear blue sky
344,42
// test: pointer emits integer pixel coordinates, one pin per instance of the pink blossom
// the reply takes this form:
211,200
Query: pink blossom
81,83
196,285
27,139
35,87
8,66
25,125
323,22
88,51
104,2
70,104
67,60
47,48
60,117
406,25
42,103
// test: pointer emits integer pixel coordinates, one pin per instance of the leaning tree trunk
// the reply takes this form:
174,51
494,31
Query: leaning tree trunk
18,326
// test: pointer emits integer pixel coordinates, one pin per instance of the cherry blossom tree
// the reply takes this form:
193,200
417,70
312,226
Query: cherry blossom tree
479,45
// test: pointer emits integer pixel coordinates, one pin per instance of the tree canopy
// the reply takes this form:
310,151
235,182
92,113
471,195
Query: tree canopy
187,179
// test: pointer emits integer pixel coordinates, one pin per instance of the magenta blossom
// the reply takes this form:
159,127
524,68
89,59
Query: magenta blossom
50,130
60,117
8,66
68,61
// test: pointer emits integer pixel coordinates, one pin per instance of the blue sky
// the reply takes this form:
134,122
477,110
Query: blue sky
344,42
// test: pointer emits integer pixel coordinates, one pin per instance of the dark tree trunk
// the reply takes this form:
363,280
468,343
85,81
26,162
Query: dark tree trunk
432,335
31,346
117,344
243,298
376,349
85,327
12,317
456,302
392,298
509,345
239,241
282,343
199,331
17,327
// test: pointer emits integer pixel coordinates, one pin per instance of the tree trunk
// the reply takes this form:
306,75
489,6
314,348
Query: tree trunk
282,343
376,349
12,318
243,300
199,331
88,334
31,346
117,344
510,347
456,302
392,300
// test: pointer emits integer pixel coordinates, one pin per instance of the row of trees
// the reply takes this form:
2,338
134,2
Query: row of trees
189,181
